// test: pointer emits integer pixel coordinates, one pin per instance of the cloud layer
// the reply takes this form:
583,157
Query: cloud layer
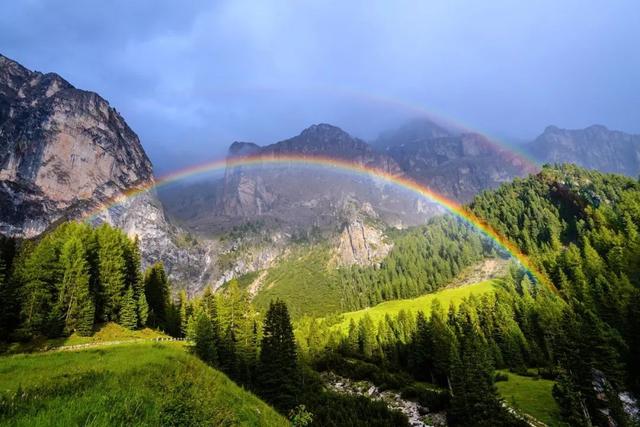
191,77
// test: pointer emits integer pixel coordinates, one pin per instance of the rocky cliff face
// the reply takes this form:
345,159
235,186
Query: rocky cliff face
290,197
63,153
61,150
301,196
361,244
595,147
457,165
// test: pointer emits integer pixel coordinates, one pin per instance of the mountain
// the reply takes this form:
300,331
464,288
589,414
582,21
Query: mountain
456,164
61,150
265,208
64,152
274,194
412,132
595,147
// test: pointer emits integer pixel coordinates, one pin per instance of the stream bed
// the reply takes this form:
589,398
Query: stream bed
418,415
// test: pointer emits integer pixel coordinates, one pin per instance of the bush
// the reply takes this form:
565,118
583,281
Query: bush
501,377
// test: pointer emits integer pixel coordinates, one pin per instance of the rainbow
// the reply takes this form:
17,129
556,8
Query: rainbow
344,166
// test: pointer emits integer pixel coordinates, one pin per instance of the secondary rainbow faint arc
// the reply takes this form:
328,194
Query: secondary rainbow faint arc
346,166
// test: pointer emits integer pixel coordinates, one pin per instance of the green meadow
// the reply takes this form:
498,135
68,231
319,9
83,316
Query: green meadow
303,281
423,303
532,396
143,384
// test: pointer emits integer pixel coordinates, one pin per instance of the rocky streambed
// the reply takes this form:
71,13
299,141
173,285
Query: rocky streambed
418,415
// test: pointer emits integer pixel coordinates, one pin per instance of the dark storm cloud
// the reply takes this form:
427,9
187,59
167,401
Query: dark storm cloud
190,77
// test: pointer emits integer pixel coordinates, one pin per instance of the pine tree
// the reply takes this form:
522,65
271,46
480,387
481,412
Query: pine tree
227,354
366,336
156,288
9,290
278,368
39,275
475,398
75,304
112,270
143,310
184,312
204,342
210,307
128,313
633,338
351,343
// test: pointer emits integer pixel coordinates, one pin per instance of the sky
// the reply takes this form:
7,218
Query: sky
192,77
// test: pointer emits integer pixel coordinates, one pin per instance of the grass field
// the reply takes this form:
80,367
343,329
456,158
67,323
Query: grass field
105,332
422,303
304,282
531,396
142,384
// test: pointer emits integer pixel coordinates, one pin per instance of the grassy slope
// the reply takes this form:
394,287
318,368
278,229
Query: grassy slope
104,333
304,282
422,303
142,384
531,396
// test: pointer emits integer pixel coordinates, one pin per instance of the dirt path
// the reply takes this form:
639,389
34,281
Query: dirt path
108,343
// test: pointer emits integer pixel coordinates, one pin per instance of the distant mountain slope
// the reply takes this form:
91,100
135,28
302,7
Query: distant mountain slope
298,197
595,147
456,164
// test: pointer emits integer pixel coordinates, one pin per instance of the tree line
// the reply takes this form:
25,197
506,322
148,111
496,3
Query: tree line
422,260
76,277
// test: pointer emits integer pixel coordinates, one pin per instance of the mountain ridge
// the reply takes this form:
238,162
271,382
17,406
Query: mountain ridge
594,147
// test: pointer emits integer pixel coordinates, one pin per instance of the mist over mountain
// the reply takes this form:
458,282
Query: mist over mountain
298,196
595,147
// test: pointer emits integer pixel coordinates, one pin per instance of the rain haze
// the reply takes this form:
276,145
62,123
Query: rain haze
192,77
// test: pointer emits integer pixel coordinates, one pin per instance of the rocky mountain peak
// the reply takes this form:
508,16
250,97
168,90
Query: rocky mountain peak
595,147
456,164
322,139
60,148
324,131
414,131
239,148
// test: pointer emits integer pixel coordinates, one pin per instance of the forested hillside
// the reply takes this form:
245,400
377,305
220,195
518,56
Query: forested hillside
422,260
581,228
78,276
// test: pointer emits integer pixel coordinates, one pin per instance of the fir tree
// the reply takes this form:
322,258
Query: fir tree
185,312
128,313
143,310
475,398
156,288
112,270
278,367
204,342
75,304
